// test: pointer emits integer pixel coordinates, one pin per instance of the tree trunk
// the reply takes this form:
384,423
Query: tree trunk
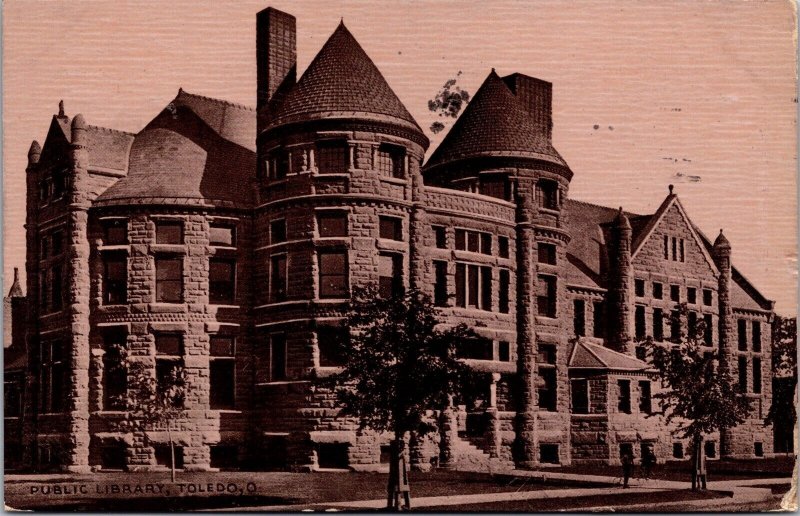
171,451
698,464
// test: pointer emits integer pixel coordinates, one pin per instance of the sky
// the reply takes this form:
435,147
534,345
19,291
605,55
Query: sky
701,95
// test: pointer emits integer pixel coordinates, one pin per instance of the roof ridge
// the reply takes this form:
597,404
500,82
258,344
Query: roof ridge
570,199
110,130
181,91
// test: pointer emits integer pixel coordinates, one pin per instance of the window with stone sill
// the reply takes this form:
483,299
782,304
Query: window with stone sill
333,274
473,241
639,287
390,275
332,224
677,450
222,372
547,393
504,297
756,375
598,316
115,278
391,161
473,286
440,295
115,232
502,247
741,328
44,247
579,317
675,293
504,351
675,326
332,342
546,354
57,240
708,334
115,373
278,165
221,281
332,157
756,336
496,186
691,295
440,235
52,380
658,290
710,449
546,253
278,278
658,324
169,359
707,296
391,228
546,297
692,325
548,454
59,185
645,397
579,393
223,235
547,194
624,396
277,231
169,279
641,327
169,233
742,363
277,357
475,349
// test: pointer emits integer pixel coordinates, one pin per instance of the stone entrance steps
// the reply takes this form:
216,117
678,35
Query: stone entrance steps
470,457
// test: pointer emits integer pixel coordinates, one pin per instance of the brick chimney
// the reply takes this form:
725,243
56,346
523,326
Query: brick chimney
536,96
276,54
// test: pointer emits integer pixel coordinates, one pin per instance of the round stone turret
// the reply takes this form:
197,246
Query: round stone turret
79,130
34,153
721,245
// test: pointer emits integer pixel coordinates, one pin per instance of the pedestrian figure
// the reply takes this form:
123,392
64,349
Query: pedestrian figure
627,468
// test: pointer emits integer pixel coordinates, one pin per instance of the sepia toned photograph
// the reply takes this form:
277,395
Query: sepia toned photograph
432,256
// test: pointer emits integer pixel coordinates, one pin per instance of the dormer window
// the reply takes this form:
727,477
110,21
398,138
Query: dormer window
496,186
547,194
332,157
277,165
390,161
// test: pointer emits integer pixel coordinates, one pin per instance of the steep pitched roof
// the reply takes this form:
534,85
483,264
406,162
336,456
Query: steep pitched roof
342,82
494,123
198,150
108,148
586,355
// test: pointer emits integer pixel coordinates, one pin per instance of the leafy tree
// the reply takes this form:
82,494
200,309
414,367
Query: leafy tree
400,365
152,403
782,413
448,102
698,394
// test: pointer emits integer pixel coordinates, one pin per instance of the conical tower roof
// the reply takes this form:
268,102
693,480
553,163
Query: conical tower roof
342,82
494,123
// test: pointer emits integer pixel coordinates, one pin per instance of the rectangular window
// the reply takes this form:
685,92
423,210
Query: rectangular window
502,246
390,275
115,278
169,359
640,352
58,299
222,235
741,327
579,388
666,247
163,455
682,249
692,325
53,376
547,253
486,288
115,232
624,396
473,286
645,398
691,295
472,282
547,393
391,228
440,234
756,375
547,194
675,293
674,249
658,290
546,299
333,274
222,372
708,333
277,231
548,453
486,243
332,342
221,281
503,351
57,241
391,161
497,187
710,449
579,317
675,326
639,287
169,279
277,278
169,344
658,324
743,374
641,326
546,354
757,336
504,289
475,349
332,224
169,232
332,157
278,164
277,357
758,449
677,450
707,296
440,296
598,315
473,241
115,373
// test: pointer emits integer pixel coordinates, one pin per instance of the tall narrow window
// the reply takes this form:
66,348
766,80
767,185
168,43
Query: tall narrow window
391,161
641,327
440,234
645,398
547,194
222,372
743,374
53,376
624,396
547,393
674,249
115,373
221,281
675,326
332,157
333,274
503,293
707,296
692,325
546,253
658,290
332,342
486,288
708,334
471,283
682,249
580,395
222,235
332,224
169,233
598,315
675,293
579,317
757,375
391,228
658,324
169,359
440,285
504,351
277,231
691,295
502,246
115,278
169,279
666,247
277,357
277,283
741,326
115,232
757,336
546,299
390,275
639,287
58,299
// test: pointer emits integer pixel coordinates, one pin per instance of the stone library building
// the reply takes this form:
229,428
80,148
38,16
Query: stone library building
226,240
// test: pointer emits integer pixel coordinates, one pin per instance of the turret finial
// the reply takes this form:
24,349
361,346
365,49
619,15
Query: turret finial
671,187
16,289
61,108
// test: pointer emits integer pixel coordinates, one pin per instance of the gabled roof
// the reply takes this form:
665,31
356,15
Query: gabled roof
586,355
494,123
108,148
198,150
342,82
